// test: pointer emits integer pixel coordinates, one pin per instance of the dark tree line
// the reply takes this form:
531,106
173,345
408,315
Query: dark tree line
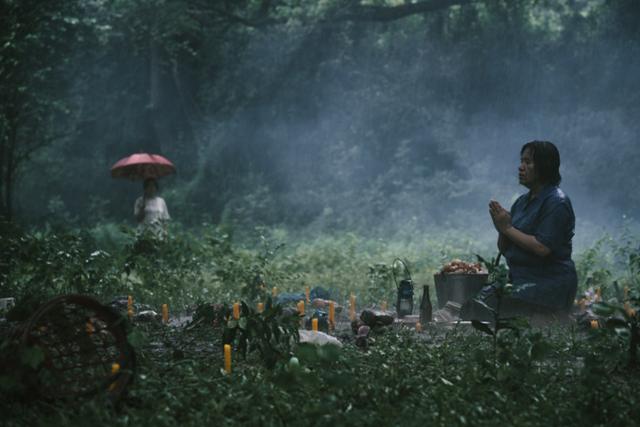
295,111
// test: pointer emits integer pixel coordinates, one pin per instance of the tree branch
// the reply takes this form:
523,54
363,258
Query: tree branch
352,11
392,13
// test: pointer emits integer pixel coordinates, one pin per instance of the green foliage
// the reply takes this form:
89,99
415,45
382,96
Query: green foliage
272,333
528,376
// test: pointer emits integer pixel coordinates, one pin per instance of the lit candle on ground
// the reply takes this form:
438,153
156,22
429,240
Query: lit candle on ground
594,324
332,314
630,311
301,307
236,310
307,293
418,327
130,306
115,368
383,306
227,358
314,325
260,307
274,292
165,313
352,307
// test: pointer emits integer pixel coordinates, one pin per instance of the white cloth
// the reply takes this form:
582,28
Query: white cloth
155,213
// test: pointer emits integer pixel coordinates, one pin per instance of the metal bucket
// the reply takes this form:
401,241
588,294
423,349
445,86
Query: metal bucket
459,288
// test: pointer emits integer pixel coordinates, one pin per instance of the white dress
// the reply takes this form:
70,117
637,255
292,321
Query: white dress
155,213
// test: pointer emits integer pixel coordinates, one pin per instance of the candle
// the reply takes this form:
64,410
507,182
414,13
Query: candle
130,306
630,311
236,310
90,328
274,292
165,313
307,293
418,327
314,325
594,324
301,307
260,307
352,307
332,314
115,368
227,358
383,306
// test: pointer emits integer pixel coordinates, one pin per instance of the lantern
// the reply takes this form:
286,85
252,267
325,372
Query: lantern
404,302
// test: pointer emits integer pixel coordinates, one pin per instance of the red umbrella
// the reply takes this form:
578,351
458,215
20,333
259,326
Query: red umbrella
142,166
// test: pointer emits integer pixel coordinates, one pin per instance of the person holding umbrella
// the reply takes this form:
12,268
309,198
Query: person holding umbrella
149,210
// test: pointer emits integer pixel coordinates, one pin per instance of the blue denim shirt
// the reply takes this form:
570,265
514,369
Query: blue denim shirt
550,218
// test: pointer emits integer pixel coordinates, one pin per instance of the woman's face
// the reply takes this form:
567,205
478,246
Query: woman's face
527,171
150,189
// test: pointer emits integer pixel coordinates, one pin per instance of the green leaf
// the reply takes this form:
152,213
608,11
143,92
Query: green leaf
603,309
482,327
539,349
32,357
137,339
513,323
614,322
624,333
242,323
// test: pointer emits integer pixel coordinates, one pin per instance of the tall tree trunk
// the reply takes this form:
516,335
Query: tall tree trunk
3,139
152,129
9,169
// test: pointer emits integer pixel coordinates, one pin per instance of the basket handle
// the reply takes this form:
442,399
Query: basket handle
393,270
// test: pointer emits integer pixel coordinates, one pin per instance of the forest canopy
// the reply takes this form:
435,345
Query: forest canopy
334,114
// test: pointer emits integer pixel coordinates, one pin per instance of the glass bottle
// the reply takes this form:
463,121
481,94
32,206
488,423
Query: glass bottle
426,310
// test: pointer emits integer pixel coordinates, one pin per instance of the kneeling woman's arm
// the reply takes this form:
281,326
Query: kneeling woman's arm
524,241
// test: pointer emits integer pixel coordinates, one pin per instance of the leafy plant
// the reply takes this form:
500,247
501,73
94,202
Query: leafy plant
623,319
272,333
380,281
498,277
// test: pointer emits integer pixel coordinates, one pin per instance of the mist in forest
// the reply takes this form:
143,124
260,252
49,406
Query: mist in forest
377,127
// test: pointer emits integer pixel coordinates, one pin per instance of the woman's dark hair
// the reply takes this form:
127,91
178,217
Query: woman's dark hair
546,159
153,181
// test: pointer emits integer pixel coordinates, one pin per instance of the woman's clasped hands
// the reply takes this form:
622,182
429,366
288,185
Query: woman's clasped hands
500,216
